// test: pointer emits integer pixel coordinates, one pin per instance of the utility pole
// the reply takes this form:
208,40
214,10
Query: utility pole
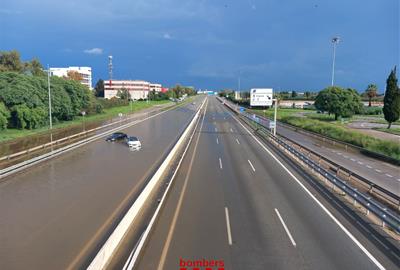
50,115
335,41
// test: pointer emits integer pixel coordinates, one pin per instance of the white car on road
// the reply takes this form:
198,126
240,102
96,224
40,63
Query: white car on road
133,142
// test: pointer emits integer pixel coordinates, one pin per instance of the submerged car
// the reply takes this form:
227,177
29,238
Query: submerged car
117,136
133,142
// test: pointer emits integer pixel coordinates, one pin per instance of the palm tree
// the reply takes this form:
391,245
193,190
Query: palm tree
371,92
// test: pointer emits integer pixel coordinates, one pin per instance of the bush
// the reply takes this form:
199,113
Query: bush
112,102
372,110
384,147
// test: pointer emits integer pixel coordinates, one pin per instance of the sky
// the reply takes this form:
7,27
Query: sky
210,44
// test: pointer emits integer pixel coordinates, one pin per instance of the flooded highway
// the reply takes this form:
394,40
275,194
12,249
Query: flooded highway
59,211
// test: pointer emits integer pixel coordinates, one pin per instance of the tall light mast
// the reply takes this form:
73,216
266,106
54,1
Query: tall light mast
110,68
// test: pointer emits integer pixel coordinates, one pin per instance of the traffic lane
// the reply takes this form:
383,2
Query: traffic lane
65,201
200,230
327,242
381,173
258,239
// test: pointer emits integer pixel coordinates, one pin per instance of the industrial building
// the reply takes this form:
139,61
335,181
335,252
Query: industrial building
138,89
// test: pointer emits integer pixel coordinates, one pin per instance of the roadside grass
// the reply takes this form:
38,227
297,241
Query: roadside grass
385,147
392,130
11,134
326,125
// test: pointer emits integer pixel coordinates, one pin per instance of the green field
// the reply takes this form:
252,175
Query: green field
392,130
10,134
326,125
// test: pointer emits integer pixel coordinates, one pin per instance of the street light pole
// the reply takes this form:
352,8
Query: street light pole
50,116
335,41
276,111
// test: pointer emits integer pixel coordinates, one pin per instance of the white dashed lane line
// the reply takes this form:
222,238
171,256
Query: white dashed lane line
369,167
388,175
378,170
237,141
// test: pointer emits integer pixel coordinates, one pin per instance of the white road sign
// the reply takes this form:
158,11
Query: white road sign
261,97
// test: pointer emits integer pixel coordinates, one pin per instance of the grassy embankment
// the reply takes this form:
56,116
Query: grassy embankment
326,125
10,134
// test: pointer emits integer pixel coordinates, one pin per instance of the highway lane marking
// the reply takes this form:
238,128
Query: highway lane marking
228,226
180,201
329,214
220,163
215,129
251,165
352,159
378,170
368,166
217,141
285,227
237,141
345,156
359,162
388,175
231,130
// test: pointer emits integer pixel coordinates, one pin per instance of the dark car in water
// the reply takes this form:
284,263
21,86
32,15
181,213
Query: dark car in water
117,136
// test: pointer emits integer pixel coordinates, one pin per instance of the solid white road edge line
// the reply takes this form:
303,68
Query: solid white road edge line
285,227
341,226
228,226
107,250
251,165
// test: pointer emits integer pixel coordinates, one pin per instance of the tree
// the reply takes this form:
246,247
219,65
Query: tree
124,94
371,92
391,101
74,75
4,115
338,101
10,61
99,88
294,94
33,67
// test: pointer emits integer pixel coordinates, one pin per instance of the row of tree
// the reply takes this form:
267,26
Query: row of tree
24,100
347,102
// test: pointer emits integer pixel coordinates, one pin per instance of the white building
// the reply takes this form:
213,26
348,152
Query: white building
137,89
155,87
85,72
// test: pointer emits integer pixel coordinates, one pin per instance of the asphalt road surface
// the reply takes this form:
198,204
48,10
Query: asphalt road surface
232,201
60,211
382,173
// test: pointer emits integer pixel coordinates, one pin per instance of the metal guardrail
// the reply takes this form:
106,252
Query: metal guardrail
345,144
380,211
390,195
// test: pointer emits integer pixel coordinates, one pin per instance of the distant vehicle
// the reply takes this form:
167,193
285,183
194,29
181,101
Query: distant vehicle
133,142
117,136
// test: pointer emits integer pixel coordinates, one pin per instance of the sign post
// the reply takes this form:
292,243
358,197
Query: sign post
261,97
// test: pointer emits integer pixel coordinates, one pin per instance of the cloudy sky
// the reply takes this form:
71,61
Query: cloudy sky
285,44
